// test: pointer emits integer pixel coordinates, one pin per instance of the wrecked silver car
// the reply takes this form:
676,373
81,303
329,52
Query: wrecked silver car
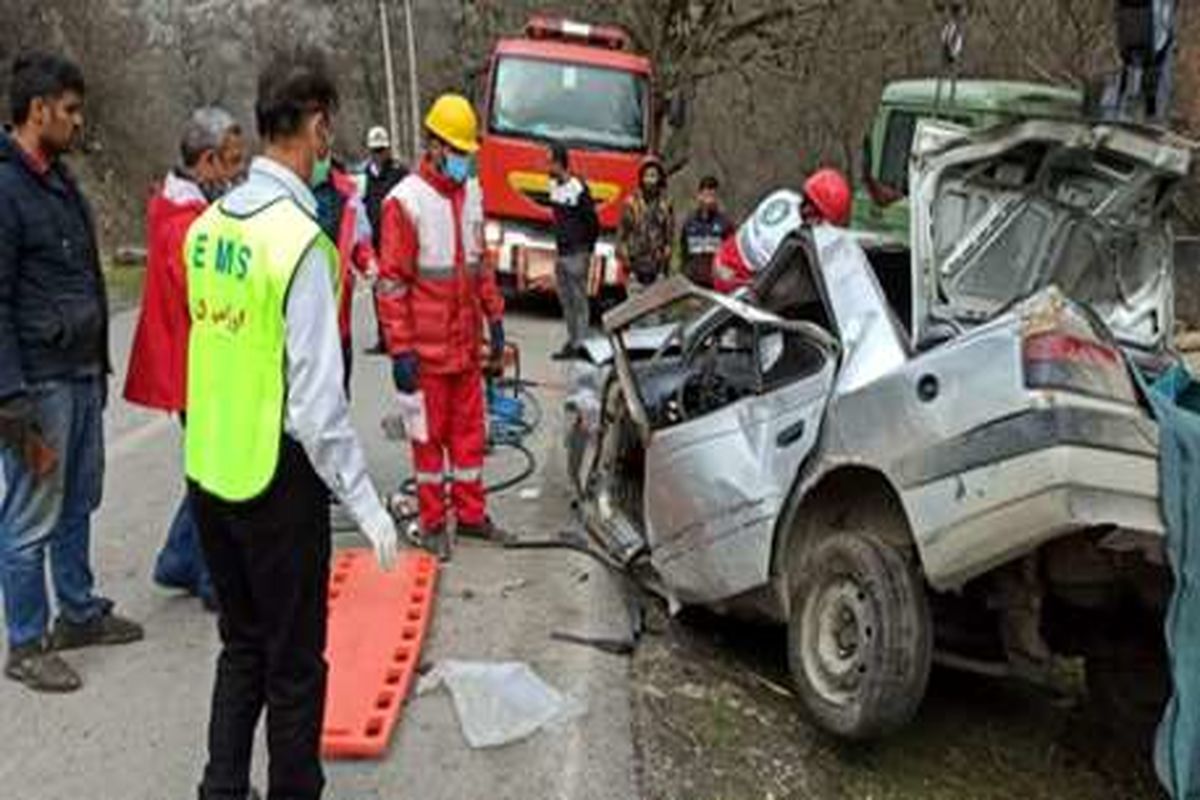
901,454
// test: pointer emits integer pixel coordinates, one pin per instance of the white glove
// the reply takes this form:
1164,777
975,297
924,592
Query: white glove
382,532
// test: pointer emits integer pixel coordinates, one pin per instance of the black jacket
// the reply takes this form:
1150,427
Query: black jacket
53,308
699,241
380,180
576,226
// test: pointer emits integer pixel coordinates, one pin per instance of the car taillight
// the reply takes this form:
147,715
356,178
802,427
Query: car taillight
1057,359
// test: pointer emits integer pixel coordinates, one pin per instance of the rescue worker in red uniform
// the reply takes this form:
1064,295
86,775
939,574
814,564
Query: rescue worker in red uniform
826,199
435,294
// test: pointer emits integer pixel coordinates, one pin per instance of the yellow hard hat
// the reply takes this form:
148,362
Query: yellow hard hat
452,120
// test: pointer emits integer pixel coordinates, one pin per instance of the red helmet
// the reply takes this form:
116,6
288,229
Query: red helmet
828,192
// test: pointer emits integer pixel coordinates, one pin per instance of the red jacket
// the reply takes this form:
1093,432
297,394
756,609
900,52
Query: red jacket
435,288
157,376
355,251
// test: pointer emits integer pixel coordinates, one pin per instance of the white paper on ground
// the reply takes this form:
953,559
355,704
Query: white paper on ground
500,702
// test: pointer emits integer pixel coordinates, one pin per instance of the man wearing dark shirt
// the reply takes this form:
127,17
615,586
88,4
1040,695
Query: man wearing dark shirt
703,231
383,173
53,367
576,228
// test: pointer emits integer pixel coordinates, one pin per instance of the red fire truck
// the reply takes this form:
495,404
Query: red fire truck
577,84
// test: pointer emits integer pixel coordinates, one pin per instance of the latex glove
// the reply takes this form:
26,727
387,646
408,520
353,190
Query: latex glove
404,372
19,431
496,339
382,534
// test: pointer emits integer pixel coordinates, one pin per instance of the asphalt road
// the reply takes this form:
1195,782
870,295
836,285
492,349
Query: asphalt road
137,729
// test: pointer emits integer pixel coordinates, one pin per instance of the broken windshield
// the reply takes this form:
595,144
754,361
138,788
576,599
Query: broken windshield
582,105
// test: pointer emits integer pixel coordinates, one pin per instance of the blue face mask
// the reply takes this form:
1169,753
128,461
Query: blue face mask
458,168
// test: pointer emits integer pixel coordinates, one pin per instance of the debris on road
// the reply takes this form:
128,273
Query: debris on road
499,703
614,647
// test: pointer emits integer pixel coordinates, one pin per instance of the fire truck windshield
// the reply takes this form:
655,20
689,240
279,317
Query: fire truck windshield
578,104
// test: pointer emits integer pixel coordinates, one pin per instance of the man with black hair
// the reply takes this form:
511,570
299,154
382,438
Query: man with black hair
269,435
576,229
53,369
703,231
647,227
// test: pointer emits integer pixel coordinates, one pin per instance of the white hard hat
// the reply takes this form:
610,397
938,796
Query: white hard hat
378,139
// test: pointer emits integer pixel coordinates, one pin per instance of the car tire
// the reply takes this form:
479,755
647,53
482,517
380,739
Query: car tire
860,638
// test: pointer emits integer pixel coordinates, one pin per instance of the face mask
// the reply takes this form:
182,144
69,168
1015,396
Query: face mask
457,168
320,171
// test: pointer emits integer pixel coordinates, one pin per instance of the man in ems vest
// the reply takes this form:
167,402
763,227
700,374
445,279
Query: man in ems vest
435,293
268,431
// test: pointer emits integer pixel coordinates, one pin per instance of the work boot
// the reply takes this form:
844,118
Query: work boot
435,541
108,628
41,669
568,352
488,531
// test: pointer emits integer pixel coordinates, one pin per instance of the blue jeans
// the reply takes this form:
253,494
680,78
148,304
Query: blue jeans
53,515
180,563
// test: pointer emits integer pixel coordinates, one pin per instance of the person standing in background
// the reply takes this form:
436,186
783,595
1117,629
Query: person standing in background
54,365
383,173
576,228
343,219
647,228
702,233
212,156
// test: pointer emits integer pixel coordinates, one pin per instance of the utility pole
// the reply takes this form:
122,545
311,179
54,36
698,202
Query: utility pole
390,74
413,85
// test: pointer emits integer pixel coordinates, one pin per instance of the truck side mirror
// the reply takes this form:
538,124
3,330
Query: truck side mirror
677,111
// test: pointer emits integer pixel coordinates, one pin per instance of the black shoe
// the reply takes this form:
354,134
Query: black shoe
488,532
568,352
376,349
108,628
41,669
436,542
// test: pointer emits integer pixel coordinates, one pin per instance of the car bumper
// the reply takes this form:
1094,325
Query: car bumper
972,522
985,498
525,259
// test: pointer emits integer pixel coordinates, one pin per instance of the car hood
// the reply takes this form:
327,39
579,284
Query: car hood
1002,213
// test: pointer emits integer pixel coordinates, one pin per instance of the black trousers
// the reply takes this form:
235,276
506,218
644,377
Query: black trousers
269,560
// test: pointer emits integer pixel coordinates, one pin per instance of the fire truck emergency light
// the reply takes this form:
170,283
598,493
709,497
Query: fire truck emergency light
570,31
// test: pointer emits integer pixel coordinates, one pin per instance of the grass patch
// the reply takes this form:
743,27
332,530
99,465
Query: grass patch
124,285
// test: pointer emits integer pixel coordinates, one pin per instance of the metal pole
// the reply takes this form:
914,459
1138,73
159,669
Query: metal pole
385,28
413,85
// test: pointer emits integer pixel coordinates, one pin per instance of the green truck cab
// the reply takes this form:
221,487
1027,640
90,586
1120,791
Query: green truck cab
881,201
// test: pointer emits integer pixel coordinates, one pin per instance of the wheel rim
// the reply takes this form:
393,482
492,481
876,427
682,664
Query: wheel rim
837,631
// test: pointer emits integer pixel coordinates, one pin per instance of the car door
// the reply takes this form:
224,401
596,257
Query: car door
716,479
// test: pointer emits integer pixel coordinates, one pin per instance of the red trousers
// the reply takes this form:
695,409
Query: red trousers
454,408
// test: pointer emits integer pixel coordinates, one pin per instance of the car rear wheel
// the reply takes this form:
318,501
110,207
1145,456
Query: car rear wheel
859,637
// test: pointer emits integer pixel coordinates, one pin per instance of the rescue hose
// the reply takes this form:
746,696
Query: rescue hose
514,414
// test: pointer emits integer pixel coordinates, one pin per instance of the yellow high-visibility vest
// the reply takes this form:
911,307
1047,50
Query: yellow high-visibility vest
239,270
